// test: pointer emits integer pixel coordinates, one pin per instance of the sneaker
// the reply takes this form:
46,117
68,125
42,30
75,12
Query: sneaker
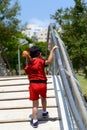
35,125
45,115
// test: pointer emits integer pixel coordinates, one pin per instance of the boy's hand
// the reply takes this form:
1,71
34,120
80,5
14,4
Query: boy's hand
55,47
25,54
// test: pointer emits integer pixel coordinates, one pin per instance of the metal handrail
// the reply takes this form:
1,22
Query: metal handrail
72,89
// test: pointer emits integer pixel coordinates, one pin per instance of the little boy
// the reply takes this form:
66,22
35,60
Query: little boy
37,78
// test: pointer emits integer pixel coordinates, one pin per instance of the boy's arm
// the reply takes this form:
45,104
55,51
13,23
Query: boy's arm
49,60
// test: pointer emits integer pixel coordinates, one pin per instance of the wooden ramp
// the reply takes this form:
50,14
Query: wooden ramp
16,108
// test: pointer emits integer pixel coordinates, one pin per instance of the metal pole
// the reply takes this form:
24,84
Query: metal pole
23,42
18,60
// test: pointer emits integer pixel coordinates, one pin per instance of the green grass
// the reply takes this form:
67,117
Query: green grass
83,83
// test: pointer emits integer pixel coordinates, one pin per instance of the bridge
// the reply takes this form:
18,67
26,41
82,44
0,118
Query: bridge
65,102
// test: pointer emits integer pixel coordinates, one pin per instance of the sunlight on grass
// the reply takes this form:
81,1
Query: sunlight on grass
83,83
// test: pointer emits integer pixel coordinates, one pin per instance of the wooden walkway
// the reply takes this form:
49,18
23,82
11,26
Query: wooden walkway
16,108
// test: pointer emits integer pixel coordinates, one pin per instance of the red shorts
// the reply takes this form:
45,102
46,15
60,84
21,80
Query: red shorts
37,89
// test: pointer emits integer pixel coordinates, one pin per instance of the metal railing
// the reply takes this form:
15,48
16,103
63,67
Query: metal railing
72,100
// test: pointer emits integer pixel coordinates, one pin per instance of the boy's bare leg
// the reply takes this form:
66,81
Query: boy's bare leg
35,109
44,103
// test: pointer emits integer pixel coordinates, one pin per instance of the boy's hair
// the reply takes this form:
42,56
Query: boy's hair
35,51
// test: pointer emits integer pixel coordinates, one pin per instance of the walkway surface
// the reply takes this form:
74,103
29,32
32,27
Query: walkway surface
16,109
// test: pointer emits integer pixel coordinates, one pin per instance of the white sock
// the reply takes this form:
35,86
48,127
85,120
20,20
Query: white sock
35,120
44,111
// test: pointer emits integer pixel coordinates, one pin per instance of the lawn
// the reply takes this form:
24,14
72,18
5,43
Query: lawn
83,83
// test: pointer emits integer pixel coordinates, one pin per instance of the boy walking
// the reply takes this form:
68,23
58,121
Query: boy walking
38,81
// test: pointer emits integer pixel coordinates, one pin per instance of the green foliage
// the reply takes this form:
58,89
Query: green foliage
10,32
85,71
83,82
73,22
8,20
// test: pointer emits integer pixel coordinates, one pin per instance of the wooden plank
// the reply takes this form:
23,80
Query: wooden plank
17,90
21,95
25,115
23,103
25,107
28,120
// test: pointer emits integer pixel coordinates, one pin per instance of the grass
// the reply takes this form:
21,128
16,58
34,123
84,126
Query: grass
83,83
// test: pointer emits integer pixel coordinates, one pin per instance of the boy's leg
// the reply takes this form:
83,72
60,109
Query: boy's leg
44,103
34,121
35,109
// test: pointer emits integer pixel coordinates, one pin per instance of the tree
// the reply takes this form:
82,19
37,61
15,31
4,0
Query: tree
9,31
9,24
73,23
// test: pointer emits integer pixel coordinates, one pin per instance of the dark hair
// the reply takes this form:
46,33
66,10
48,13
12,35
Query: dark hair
35,51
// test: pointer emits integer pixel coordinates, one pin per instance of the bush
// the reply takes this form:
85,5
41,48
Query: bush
85,71
85,97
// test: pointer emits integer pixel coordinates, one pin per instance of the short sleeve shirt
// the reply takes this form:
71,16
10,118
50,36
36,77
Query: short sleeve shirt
35,69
